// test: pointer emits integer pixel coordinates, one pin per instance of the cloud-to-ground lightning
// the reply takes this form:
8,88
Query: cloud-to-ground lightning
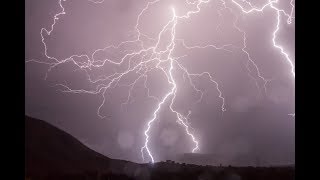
154,57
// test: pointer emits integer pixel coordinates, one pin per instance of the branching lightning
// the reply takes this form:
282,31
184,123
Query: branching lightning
271,4
153,57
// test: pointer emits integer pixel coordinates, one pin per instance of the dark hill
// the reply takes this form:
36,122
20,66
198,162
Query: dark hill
49,150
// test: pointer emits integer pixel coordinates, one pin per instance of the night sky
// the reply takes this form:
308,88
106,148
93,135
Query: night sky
254,123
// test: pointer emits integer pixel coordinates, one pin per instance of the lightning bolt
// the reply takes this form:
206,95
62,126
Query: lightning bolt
271,4
145,59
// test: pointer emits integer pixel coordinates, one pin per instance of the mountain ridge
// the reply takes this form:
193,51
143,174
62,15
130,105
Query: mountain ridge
51,150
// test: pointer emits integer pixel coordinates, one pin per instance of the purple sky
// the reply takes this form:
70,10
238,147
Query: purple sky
252,124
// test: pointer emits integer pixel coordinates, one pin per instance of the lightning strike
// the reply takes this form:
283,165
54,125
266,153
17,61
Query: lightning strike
271,4
154,58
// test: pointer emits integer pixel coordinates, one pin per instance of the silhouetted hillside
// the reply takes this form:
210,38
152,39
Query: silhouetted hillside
53,154
48,150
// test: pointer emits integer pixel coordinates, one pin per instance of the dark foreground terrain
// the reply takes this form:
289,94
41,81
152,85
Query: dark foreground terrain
53,154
